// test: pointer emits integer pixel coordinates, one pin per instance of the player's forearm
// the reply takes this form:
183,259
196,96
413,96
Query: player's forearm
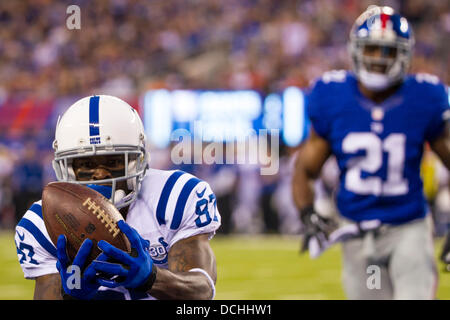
443,152
48,287
308,165
302,187
441,146
181,286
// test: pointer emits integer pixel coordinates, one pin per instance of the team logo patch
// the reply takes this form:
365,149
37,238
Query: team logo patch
158,251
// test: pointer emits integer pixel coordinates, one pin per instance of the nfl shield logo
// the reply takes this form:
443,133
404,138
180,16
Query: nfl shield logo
377,114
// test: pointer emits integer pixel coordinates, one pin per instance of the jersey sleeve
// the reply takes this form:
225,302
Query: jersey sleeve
35,251
439,113
200,214
315,109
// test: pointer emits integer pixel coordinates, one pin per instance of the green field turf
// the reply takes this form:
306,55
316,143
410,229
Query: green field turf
249,267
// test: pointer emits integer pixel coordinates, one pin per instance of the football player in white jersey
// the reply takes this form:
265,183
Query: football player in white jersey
169,216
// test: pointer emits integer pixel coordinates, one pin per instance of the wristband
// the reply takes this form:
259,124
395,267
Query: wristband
211,282
148,284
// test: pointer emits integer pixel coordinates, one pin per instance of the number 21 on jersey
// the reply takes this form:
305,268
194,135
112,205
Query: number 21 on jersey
394,144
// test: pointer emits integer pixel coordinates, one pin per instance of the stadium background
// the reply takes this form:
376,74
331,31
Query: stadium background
132,48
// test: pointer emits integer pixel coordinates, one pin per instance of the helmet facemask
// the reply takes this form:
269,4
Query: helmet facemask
381,44
386,69
135,165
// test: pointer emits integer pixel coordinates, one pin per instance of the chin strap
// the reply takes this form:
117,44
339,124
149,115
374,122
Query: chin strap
121,200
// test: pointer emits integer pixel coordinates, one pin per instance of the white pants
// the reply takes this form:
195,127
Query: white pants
396,263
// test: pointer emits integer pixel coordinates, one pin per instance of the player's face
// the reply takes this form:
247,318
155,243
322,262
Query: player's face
99,167
378,56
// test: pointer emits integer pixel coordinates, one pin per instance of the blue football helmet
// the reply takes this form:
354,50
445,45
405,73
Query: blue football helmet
380,30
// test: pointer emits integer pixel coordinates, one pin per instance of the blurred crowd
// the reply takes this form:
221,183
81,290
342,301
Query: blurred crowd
125,47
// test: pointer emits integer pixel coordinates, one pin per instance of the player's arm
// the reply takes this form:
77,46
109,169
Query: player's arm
178,282
37,255
48,287
310,159
441,146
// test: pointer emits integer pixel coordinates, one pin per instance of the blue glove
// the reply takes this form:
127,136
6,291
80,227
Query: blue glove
85,287
135,271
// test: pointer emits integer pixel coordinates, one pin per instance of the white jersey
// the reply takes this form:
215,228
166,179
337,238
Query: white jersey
171,205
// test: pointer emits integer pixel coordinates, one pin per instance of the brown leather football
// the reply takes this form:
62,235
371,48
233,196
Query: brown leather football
79,213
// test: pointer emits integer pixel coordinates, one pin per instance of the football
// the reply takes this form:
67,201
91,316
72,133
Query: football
80,213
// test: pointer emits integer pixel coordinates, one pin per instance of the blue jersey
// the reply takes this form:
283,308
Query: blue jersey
378,147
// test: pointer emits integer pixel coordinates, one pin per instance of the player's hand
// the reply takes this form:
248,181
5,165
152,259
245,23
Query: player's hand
445,255
86,286
135,271
317,229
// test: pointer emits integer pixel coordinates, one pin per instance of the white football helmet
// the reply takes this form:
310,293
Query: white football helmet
102,125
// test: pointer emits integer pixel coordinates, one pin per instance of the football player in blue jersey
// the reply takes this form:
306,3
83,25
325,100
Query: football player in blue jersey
169,216
375,119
